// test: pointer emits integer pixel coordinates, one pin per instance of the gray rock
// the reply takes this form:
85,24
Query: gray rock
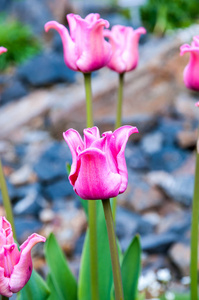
168,159
58,189
136,159
25,226
34,15
46,69
152,143
154,243
179,188
52,164
14,90
128,224
180,256
140,195
31,204
22,176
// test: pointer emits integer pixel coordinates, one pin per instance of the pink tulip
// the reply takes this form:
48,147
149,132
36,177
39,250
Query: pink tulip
191,71
2,50
15,265
99,168
124,41
197,104
85,48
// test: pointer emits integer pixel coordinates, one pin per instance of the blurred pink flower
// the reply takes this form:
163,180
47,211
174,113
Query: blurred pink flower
191,71
197,104
15,265
98,169
2,50
85,48
124,41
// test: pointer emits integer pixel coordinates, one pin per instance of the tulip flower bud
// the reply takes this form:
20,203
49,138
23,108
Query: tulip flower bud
124,41
85,48
191,71
15,265
98,169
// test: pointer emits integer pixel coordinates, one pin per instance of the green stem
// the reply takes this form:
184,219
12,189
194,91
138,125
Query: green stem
89,106
119,101
92,204
194,235
6,201
117,125
117,278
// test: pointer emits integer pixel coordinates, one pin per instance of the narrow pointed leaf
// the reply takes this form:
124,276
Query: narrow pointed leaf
62,278
53,292
36,288
131,266
105,275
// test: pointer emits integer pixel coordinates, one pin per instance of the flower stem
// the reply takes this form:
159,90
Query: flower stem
4,298
117,278
118,123
6,201
194,235
119,101
89,106
92,204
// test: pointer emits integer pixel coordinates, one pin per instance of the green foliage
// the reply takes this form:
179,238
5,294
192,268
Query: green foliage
131,267
105,275
19,41
130,270
36,288
161,15
60,280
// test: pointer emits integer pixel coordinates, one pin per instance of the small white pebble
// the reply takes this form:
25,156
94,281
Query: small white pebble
146,280
164,275
186,280
169,296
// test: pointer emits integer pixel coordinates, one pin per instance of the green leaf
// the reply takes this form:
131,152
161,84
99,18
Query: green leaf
53,292
36,288
131,266
105,275
61,276
84,204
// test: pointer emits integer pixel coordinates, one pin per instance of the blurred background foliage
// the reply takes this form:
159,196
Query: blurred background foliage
158,16
18,38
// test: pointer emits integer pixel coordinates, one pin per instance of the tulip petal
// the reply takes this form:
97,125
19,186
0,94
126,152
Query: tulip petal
91,135
92,18
6,230
94,51
3,50
191,78
116,63
74,140
4,284
117,146
111,159
131,54
124,41
95,179
70,53
23,270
